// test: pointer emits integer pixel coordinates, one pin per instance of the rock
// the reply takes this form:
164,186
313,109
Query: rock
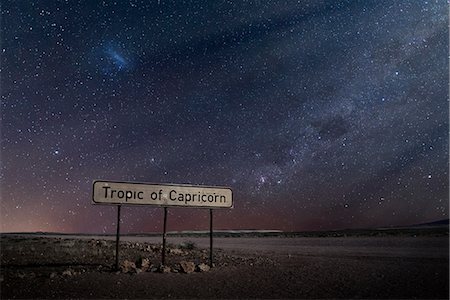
187,266
68,272
164,269
144,264
153,248
154,269
203,268
128,266
53,275
177,251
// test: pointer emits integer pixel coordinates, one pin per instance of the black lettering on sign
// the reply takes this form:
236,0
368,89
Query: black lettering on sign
106,191
110,193
174,197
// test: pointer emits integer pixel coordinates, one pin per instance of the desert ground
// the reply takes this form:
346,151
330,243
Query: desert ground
406,267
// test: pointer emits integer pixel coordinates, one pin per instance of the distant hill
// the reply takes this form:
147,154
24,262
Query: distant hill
435,223
436,228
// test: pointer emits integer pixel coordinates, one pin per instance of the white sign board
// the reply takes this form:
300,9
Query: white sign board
112,192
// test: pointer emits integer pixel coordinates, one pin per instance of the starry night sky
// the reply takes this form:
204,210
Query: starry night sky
318,114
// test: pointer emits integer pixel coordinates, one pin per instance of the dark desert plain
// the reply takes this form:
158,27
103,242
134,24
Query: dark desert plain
401,263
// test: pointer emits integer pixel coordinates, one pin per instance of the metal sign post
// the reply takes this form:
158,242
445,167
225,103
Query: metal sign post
163,257
117,237
162,195
211,238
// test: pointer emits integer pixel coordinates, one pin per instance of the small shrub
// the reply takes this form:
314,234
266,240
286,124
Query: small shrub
189,245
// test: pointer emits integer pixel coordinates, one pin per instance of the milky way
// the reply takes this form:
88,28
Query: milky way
318,114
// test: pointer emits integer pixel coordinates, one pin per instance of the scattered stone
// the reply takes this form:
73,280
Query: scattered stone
128,266
68,272
176,251
187,266
164,269
203,268
152,248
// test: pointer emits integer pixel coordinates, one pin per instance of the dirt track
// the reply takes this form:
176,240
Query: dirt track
388,267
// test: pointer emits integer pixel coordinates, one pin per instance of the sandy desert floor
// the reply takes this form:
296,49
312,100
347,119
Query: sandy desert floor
351,267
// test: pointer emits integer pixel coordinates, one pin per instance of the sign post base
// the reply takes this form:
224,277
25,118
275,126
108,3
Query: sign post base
163,257
211,238
117,238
